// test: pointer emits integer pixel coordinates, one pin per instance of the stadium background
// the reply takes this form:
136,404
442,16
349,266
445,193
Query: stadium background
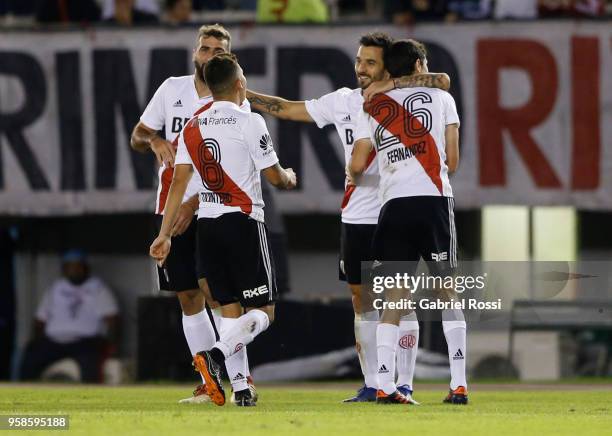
534,183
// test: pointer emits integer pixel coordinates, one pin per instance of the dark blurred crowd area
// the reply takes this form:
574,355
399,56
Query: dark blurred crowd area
25,13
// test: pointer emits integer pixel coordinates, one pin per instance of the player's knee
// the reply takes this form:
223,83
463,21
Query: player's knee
212,303
355,291
192,301
356,297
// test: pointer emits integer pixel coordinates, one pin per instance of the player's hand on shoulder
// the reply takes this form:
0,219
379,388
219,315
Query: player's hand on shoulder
292,183
376,88
160,248
164,151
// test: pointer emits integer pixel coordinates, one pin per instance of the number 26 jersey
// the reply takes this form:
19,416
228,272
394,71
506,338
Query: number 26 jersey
407,130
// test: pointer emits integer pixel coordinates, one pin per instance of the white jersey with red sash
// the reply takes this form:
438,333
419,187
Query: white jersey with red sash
227,146
406,127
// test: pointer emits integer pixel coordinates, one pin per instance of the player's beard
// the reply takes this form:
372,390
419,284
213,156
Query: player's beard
368,83
199,70
371,80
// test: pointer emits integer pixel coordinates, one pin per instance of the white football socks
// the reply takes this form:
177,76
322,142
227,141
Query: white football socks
235,364
407,347
365,338
454,326
199,332
245,329
386,340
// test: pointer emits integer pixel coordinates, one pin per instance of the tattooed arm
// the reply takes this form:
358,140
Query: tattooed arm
279,107
427,80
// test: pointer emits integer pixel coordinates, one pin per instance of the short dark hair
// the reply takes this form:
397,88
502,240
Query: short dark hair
402,56
220,72
216,31
377,39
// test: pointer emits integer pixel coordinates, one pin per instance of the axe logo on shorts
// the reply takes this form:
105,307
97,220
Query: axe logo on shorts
255,292
437,257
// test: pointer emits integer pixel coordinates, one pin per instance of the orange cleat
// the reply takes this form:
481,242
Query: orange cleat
457,396
211,371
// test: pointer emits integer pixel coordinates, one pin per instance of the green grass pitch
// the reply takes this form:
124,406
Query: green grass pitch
314,410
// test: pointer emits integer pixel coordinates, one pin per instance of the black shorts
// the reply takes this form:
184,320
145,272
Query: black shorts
355,247
234,256
413,227
179,272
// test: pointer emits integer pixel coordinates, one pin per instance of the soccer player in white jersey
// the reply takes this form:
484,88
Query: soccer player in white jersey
228,147
173,104
360,205
415,133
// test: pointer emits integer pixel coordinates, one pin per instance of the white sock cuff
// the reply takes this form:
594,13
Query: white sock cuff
412,316
227,324
409,322
387,335
216,316
261,316
408,325
453,315
367,316
197,318
223,347
451,325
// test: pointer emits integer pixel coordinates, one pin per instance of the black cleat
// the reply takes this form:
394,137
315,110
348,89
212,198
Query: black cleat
244,398
254,393
211,371
457,396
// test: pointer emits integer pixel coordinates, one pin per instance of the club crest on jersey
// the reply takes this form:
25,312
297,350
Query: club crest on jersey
178,103
438,257
255,292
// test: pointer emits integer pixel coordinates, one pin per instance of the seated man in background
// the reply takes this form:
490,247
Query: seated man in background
77,318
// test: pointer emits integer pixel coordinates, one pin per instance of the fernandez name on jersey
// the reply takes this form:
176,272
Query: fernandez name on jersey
407,129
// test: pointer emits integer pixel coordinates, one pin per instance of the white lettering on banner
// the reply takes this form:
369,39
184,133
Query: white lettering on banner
64,138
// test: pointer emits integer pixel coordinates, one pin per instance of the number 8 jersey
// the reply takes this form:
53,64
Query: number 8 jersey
228,147
406,127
